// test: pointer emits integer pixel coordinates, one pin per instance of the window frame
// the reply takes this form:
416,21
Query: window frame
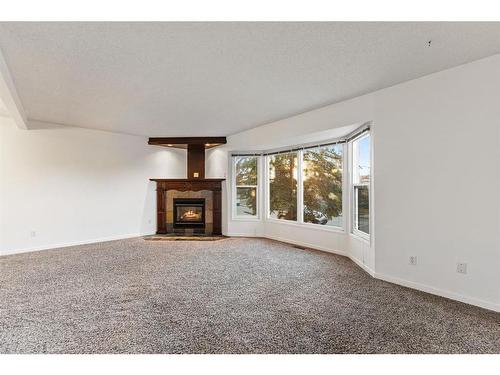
268,190
333,228
234,189
300,194
348,187
353,185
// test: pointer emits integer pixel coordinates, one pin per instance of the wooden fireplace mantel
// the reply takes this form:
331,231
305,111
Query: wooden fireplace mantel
185,184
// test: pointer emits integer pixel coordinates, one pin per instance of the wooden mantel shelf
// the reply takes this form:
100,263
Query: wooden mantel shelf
186,184
187,179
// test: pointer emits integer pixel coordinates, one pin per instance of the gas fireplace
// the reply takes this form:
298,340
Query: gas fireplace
189,213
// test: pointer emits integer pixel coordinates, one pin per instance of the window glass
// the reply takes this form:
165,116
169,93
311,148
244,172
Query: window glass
322,185
361,184
361,160
246,201
362,209
364,160
283,186
245,168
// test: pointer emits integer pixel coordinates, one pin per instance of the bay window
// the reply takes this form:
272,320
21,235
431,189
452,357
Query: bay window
308,185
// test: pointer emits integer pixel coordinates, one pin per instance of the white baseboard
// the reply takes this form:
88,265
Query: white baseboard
363,266
360,264
74,243
439,292
241,235
308,245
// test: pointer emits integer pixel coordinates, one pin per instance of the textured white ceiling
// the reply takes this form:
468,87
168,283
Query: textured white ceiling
187,79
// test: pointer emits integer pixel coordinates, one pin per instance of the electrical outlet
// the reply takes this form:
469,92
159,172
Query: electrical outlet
413,260
462,268
32,233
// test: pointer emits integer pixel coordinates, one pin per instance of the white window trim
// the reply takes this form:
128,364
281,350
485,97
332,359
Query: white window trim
268,195
366,237
324,228
234,215
300,197
330,228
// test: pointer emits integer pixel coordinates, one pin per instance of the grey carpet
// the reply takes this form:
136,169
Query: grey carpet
227,296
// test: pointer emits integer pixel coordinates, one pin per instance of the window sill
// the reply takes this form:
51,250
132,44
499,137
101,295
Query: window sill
250,219
307,226
361,237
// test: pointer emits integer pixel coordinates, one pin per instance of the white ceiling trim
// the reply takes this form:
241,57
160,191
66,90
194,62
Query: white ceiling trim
37,124
9,96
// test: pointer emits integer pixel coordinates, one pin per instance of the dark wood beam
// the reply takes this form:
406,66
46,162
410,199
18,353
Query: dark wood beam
164,141
196,161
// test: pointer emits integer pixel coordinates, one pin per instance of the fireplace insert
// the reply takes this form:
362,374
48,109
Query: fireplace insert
189,212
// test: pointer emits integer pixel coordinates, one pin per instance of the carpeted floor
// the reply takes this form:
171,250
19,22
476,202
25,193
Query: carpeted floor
227,296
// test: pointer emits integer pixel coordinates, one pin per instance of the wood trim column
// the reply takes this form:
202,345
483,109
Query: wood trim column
217,212
161,211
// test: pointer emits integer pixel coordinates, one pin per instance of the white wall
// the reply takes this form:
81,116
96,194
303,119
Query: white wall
72,185
436,144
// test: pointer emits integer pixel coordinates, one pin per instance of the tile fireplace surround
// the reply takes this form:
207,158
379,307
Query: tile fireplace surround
208,189
207,195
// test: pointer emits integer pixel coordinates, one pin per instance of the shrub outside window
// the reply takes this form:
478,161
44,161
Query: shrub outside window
322,185
283,169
